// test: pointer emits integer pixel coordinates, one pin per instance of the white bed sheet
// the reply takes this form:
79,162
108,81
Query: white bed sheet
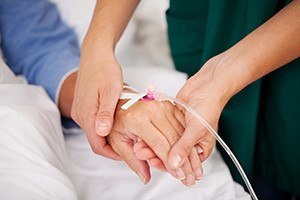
95,177
36,165
33,163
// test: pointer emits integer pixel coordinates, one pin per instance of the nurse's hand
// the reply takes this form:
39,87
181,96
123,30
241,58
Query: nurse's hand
158,125
262,51
99,83
98,88
206,97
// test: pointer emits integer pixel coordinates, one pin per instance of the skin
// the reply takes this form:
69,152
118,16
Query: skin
269,47
160,124
264,50
141,122
99,80
272,45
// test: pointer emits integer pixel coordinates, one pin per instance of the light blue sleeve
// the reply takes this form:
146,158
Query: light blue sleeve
36,43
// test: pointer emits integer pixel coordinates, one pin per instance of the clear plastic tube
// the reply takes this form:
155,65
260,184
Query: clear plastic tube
163,97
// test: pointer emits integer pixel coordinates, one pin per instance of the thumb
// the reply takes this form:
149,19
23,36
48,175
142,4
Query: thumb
104,118
182,149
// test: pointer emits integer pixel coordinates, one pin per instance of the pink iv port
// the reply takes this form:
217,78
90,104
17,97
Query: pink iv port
150,93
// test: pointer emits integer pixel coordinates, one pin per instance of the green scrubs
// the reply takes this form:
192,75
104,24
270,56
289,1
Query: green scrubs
260,123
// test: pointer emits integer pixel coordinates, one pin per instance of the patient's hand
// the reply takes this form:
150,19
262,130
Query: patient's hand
159,125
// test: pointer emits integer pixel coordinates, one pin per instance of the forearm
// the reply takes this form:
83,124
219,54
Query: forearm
108,23
272,45
99,82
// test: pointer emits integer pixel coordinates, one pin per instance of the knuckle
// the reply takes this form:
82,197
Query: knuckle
184,148
161,147
105,113
135,116
152,104
129,114
131,163
155,107
174,139
168,105
96,150
180,129
205,155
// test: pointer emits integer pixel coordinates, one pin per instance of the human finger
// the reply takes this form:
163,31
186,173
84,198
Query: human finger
206,146
156,141
124,147
158,164
196,164
100,146
167,124
107,99
144,152
181,150
139,144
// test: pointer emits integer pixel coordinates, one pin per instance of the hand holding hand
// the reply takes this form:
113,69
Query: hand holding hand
98,88
206,96
156,124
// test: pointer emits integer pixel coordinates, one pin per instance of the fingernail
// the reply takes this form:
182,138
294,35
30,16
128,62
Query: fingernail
176,161
190,180
199,149
102,127
180,174
198,173
143,179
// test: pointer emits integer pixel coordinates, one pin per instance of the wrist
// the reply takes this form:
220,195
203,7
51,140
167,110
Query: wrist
97,49
99,55
228,74
212,83
99,45
128,94
66,95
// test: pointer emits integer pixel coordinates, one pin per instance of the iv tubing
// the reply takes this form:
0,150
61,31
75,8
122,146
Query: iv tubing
162,97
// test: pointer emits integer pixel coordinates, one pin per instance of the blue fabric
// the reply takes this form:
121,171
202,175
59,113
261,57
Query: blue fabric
36,43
